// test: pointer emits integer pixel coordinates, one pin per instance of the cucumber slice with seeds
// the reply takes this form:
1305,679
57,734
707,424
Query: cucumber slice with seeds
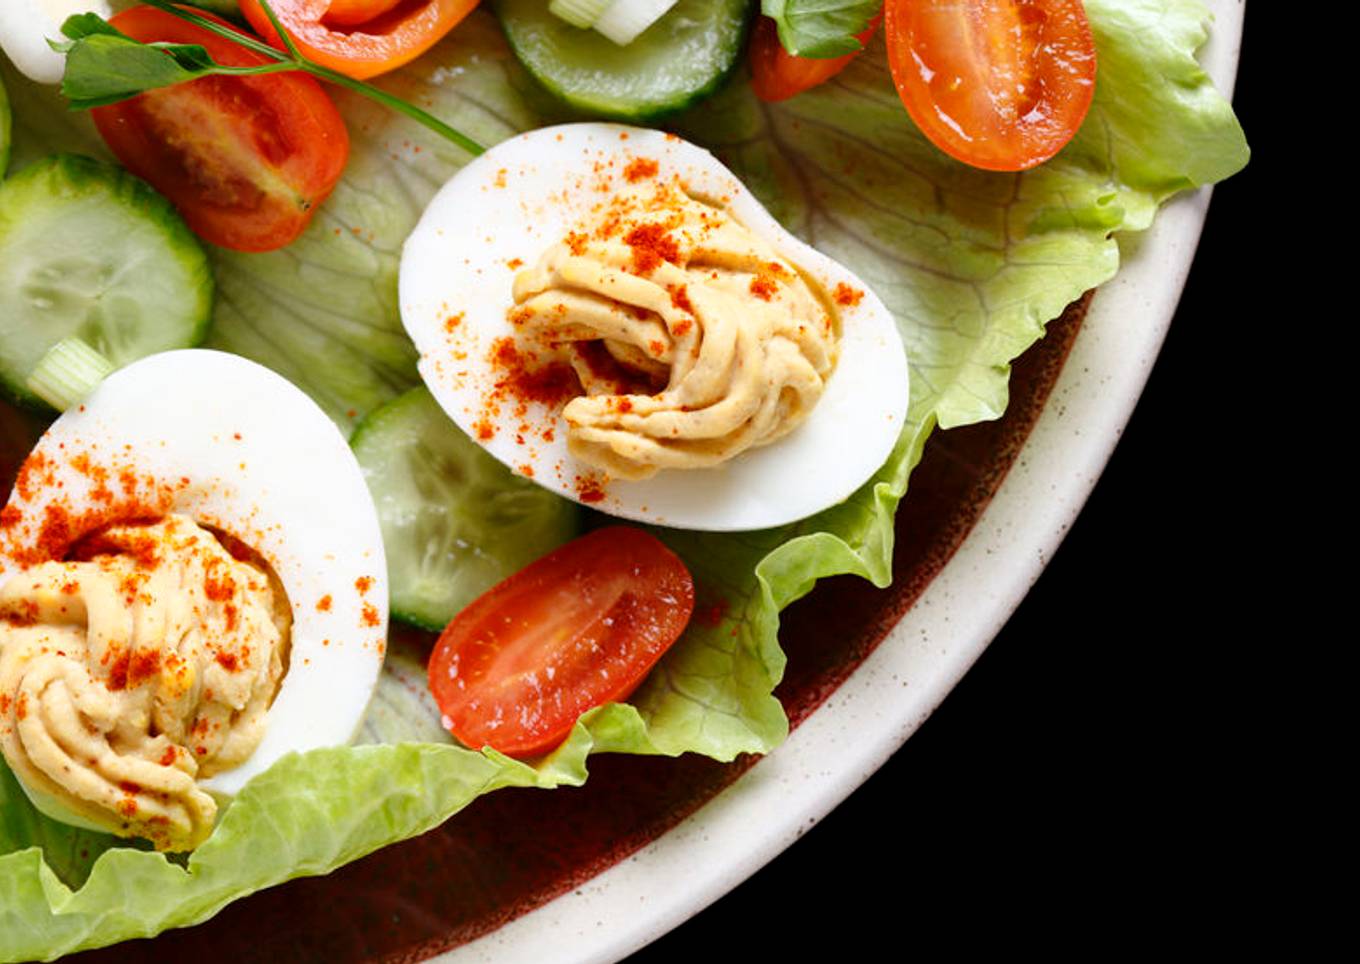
88,251
674,63
455,521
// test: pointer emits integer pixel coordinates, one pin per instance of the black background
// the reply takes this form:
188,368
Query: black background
1079,773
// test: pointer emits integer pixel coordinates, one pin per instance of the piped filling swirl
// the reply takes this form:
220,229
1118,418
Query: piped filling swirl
144,663
714,344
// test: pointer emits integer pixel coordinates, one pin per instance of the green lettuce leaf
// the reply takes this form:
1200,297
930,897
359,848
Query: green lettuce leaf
972,264
306,815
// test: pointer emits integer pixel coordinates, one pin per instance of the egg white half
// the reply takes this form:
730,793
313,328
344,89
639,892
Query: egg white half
26,25
506,208
237,447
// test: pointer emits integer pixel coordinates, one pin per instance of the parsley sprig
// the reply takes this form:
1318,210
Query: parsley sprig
105,66
821,28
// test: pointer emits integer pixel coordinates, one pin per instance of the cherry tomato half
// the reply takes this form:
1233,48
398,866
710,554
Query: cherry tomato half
361,38
777,74
998,84
578,628
246,160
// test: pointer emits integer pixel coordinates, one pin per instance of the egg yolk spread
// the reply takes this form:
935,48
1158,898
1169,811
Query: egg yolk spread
692,339
146,662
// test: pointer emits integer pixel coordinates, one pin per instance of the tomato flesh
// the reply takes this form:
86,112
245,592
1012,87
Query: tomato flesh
578,628
778,75
998,84
360,38
246,160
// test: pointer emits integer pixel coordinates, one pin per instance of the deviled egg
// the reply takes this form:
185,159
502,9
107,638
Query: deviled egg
192,584
610,312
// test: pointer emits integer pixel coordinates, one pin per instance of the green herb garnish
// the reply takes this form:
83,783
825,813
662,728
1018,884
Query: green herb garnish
821,28
105,66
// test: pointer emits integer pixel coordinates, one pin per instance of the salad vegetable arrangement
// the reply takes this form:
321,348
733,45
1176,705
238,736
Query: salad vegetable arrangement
298,254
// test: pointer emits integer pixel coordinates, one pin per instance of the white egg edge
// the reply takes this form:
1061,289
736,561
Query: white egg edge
25,26
53,808
174,411
731,497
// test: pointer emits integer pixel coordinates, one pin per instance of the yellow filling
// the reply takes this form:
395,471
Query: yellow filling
714,343
127,675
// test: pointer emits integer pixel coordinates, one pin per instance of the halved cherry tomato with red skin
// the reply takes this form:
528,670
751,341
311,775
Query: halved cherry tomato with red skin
246,160
778,75
578,628
395,34
998,84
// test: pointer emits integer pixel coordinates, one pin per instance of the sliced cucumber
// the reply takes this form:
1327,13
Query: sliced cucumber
455,521
88,251
683,57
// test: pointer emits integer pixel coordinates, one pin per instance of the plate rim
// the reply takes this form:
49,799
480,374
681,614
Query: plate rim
637,900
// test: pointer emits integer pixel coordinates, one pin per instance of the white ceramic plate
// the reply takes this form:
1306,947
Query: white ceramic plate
779,798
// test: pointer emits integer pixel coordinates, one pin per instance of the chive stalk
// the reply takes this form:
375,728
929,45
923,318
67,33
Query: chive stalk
624,20
578,13
68,373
